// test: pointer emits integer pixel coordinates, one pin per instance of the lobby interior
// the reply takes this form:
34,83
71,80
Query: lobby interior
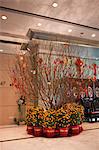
61,34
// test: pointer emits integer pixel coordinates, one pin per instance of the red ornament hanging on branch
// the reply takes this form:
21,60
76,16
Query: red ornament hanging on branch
94,67
94,70
94,78
79,64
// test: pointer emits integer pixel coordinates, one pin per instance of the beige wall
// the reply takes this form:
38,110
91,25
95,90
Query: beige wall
8,95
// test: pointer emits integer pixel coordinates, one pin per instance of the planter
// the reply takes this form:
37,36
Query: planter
74,130
80,128
30,130
63,132
38,131
49,132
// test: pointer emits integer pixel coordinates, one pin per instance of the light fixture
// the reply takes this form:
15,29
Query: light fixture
69,30
4,17
54,5
39,24
1,50
93,35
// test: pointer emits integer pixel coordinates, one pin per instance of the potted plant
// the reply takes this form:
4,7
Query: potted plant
74,122
49,123
63,120
29,120
37,120
75,118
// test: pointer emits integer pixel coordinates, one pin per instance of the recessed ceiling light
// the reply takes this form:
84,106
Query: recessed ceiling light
4,17
54,5
1,50
93,35
39,24
69,30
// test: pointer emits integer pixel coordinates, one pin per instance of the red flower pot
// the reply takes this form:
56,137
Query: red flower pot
63,132
30,130
38,131
49,132
75,130
80,128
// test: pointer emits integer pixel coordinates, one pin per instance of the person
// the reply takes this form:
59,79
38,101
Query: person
21,107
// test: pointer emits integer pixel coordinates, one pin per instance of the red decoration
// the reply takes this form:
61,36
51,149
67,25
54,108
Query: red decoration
79,62
94,79
94,65
40,60
61,62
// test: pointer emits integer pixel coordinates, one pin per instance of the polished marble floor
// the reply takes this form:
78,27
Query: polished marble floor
16,138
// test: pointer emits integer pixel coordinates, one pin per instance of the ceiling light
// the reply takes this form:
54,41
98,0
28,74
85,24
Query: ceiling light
4,17
54,5
1,50
93,35
39,24
69,30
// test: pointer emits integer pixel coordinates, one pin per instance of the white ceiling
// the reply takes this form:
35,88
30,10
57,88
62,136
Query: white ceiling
85,12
